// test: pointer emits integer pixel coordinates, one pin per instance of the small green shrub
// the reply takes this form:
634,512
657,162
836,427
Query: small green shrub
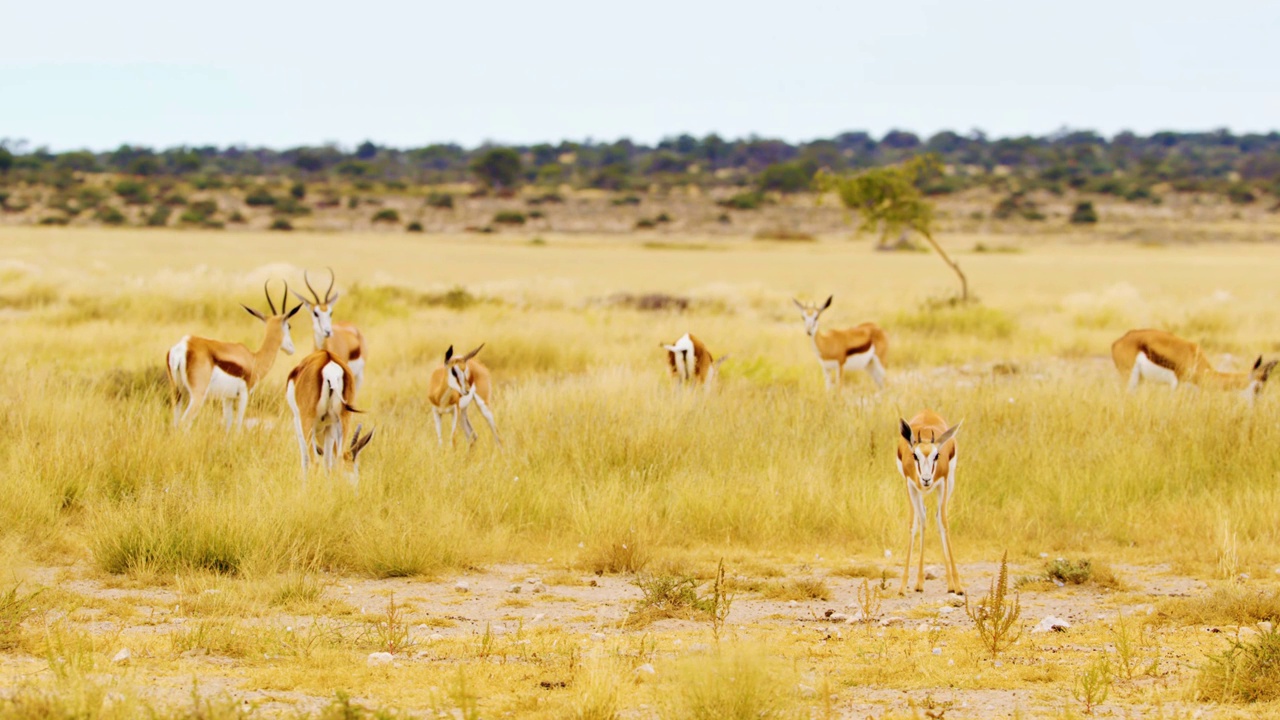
414,227
280,224
55,220
109,215
290,205
995,617
1084,214
298,191
645,224
353,202
662,218
536,215
160,216
133,192
751,200
386,215
626,200
509,217
439,200
236,217
1241,194
1247,671
259,197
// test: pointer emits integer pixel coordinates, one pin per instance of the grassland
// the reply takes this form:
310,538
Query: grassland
205,556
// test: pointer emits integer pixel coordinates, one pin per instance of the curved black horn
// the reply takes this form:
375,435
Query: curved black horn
284,298
315,295
266,290
332,279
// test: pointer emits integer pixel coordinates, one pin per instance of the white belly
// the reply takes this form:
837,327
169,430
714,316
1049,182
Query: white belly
859,361
1153,372
225,387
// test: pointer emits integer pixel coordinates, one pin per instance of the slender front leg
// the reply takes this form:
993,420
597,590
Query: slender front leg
826,375
435,414
226,415
177,408
923,517
453,434
467,429
944,528
193,407
243,404
839,375
488,416
911,539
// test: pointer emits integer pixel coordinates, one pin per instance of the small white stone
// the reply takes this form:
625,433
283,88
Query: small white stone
838,617
937,651
539,616
998,663
435,637
534,580
462,586
1051,624
646,669
922,627
792,603
597,636
1044,555
888,553
539,589
1265,626
946,610
380,658
122,656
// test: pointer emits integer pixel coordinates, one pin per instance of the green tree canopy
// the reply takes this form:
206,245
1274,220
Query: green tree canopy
498,168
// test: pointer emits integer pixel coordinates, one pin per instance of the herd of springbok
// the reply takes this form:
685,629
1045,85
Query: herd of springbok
321,391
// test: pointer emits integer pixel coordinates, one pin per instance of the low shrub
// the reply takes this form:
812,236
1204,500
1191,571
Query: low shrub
259,197
439,200
645,224
1084,214
626,200
750,200
133,192
509,217
386,215
109,215
280,224
415,227
160,216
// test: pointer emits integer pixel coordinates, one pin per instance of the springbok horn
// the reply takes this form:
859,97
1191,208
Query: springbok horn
284,298
267,291
332,280
315,295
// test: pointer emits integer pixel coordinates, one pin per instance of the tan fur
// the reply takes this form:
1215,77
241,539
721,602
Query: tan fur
236,360
305,393
929,433
346,342
837,345
1185,358
446,399
704,364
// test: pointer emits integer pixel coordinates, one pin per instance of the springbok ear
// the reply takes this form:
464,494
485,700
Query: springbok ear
905,429
1257,363
293,312
448,354
472,354
721,360
827,304
254,313
798,304
950,433
302,299
1266,370
670,348
334,300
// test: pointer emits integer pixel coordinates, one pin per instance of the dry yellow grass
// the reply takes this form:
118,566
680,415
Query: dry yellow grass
607,466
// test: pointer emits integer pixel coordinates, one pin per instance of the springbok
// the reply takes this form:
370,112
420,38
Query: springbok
456,384
319,392
861,347
691,362
200,368
927,453
343,339
1163,357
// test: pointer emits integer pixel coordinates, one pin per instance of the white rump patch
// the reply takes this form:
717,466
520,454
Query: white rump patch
1153,372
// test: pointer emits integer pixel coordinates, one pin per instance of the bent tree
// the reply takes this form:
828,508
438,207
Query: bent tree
889,201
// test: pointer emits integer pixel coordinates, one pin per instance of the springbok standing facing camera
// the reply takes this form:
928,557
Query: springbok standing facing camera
454,386
927,453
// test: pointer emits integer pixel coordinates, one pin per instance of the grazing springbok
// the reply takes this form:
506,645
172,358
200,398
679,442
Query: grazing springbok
200,368
1163,357
691,362
927,453
319,392
454,386
343,339
861,347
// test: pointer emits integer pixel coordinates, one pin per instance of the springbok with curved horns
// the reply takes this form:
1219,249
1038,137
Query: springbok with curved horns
927,453
320,391
691,362
861,347
454,386
343,339
200,368
1163,357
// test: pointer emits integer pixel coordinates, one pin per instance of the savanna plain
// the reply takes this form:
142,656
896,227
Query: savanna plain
634,549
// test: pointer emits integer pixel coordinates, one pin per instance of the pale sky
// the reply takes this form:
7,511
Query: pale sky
405,73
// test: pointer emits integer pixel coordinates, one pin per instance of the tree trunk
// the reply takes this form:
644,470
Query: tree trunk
964,282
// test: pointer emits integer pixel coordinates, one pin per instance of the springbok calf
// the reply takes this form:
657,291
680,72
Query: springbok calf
319,392
927,454
691,362
454,386
861,347
200,368
1163,357
343,339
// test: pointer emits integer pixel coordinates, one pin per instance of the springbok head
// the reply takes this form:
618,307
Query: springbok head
1258,376
810,313
280,318
459,374
921,462
321,309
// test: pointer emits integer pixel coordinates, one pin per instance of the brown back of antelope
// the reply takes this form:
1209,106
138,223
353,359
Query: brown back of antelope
861,347
1160,356
691,361
320,392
